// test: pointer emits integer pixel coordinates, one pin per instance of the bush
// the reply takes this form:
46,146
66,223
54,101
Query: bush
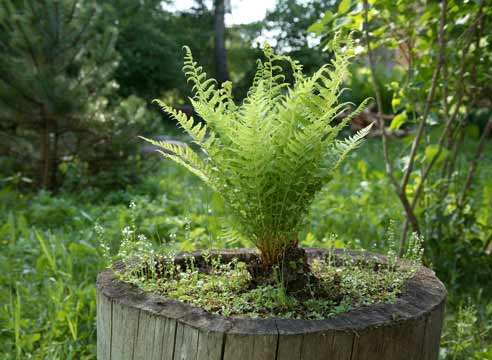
269,157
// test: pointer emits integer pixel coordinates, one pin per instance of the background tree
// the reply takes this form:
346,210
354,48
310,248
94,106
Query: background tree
150,40
442,98
221,70
147,44
289,21
52,64
150,37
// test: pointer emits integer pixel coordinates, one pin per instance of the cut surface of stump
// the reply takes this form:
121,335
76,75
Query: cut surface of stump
134,324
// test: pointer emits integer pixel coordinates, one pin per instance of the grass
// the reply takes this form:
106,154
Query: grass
50,254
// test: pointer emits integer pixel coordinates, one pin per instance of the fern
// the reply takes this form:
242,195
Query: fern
269,156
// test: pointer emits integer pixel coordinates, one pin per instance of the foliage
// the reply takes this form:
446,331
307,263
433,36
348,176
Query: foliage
180,216
357,200
442,52
57,106
227,289
360,83
47,293
50,258
148,63
113,157
270,156
457,239
50,54
466,336
148,45
288,22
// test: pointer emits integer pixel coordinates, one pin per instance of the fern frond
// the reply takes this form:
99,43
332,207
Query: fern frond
199,132
233,237
268,157
202,86
183,155
346,120
344,147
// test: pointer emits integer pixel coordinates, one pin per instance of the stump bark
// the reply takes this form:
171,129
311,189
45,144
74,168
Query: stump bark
133,324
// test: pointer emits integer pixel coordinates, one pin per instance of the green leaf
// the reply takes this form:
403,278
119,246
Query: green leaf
380,31
394,85
432,150
398,121
473,131
316,28
343,7
361,165
327,16
395,102
357,21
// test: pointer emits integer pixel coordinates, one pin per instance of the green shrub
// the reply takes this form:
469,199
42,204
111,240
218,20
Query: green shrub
467,333
270,156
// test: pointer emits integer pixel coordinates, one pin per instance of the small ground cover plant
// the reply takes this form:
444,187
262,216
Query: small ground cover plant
339,282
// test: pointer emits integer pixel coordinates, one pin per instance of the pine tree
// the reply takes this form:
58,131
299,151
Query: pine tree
54,60
221,70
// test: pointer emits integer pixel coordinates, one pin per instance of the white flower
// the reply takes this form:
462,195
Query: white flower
127,231
142,238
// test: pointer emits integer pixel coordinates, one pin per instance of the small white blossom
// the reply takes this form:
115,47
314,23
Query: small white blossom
142,237
127,231
98,229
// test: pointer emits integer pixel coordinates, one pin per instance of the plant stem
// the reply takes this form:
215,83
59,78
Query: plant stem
389,165
430,97
487,243
449,120
474,164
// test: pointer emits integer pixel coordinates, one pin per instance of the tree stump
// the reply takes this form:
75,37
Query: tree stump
133,324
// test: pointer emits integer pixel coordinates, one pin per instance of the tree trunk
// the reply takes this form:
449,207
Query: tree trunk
49,155
221,71
45,156
54,157
134,324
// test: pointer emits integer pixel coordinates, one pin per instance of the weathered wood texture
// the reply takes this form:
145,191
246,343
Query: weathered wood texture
132,324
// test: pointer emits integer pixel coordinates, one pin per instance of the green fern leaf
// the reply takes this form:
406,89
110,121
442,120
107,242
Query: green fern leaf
269,156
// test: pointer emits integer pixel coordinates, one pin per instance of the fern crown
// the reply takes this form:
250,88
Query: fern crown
269,156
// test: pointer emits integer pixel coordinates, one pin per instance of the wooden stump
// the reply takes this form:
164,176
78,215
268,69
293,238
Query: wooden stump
133,324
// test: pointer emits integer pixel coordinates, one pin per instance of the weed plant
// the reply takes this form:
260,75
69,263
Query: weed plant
227,288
